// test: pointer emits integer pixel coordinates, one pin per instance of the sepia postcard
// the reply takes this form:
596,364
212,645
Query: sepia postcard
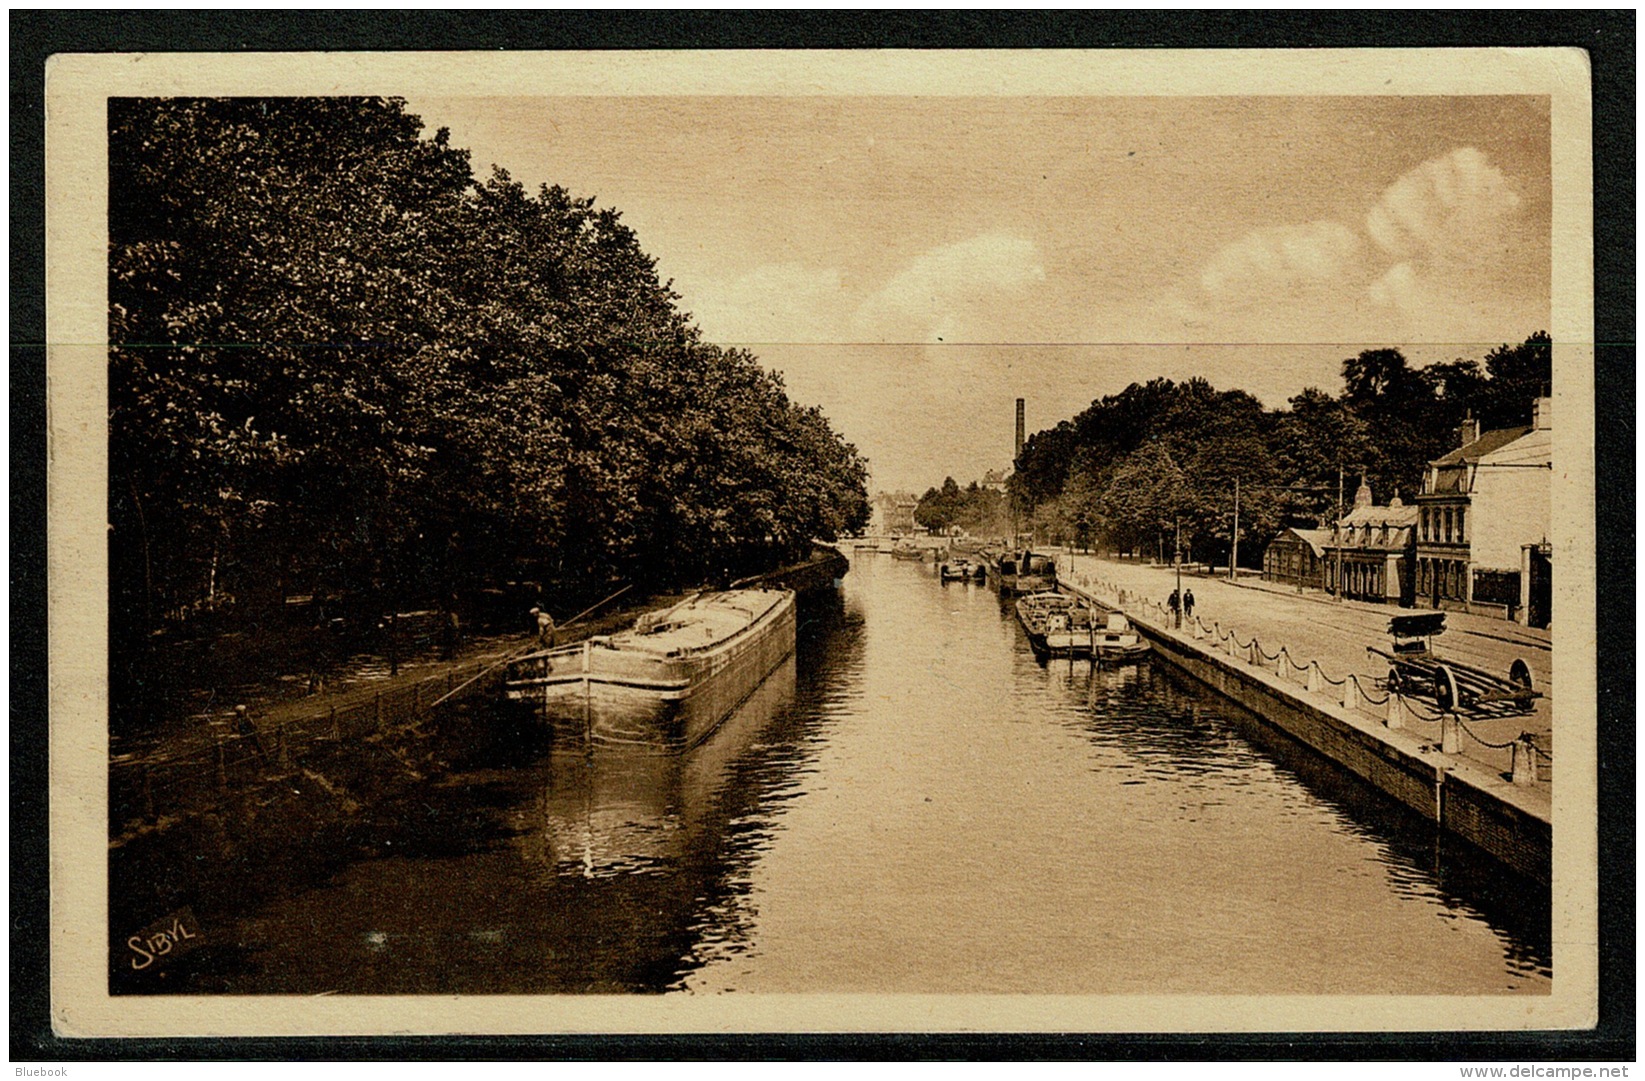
879,541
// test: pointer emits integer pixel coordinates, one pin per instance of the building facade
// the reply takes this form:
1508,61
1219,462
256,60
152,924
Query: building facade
1482,526
1374,552
1297,557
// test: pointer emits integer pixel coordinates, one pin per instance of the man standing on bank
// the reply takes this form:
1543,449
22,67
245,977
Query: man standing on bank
545,628
1188,605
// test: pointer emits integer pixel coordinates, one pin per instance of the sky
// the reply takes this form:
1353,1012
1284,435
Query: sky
914,264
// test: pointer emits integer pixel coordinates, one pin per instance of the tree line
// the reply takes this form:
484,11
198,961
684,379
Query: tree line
979,511
1160,460
340,364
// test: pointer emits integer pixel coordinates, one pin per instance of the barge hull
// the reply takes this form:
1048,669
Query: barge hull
593,697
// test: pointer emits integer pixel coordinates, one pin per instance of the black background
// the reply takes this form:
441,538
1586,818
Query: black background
1609,36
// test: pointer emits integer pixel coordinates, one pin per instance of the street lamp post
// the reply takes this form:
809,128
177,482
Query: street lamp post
1176,557
1336,538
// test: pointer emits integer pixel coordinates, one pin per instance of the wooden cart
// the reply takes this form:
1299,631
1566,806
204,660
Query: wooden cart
1414,670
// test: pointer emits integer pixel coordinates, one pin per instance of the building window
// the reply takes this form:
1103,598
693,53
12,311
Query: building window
1461,534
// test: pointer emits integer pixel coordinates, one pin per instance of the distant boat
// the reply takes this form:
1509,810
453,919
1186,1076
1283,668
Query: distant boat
1057,625
907,551
1023,572
960,570
667,682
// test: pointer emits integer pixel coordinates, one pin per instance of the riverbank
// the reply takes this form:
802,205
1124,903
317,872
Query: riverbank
279,704
1302,662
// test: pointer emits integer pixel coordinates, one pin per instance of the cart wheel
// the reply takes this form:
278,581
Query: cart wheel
1519,676
1445,689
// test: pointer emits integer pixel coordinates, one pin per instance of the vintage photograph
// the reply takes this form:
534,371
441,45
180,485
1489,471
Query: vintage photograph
1073,539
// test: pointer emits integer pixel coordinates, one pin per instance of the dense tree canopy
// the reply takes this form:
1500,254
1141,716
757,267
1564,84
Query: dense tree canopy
1137,468
340,364
974,509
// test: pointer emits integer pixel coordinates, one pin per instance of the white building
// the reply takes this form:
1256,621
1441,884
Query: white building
1482,529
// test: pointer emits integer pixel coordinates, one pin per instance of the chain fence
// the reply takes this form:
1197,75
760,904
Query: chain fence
1531,763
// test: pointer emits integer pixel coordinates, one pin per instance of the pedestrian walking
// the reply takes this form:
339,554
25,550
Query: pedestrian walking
1174,603
1188,605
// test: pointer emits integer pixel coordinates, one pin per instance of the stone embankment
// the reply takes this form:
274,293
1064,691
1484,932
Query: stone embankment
1301,661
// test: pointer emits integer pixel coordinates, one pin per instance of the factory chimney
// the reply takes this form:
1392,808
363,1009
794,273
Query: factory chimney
1019,431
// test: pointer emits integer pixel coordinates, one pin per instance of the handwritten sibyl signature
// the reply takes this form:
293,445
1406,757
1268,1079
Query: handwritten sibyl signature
168,936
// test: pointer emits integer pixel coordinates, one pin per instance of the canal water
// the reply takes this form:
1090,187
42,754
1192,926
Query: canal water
914,803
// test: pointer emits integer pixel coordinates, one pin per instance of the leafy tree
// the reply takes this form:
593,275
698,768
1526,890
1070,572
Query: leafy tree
340,364
1519,374
1145,500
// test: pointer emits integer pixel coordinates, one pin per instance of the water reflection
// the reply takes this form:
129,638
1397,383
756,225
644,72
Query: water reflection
913,802
1164,724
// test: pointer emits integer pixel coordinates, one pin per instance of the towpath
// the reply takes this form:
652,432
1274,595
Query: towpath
282,701
1314,627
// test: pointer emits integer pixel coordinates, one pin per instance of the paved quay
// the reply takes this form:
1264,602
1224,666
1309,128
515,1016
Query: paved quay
1312,626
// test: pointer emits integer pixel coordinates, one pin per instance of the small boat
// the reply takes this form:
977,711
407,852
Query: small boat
958,570
665,683
907,551
1117,640
1057,625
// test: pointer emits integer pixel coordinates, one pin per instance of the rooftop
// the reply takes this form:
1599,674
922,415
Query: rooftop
1489,441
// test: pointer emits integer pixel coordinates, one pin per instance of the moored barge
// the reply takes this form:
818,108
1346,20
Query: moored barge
667,682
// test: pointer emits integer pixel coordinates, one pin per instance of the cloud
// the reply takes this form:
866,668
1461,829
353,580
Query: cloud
1282,258
969,291
963,291
1450,207
1441,255
1462,260
1399,287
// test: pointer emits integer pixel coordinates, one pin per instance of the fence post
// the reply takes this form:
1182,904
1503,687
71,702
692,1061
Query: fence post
1450,735
1350,693
1255,657
1396,711
1313,677
1524,761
